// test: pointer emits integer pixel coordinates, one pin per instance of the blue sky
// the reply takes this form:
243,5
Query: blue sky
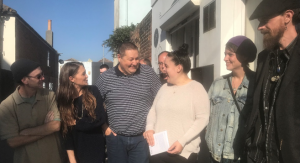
79,26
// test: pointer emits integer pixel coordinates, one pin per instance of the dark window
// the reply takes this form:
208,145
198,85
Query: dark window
209,17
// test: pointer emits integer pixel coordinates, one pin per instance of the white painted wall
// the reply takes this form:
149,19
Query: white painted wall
210,42
251,27
9,43
231,20
129,12
232,24
164,43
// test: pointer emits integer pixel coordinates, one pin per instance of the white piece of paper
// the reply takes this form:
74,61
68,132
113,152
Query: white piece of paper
161,143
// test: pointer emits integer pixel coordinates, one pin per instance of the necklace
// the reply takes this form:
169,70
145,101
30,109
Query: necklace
276,77
81,112
278,64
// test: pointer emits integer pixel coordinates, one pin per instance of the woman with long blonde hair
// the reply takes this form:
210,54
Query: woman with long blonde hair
82,115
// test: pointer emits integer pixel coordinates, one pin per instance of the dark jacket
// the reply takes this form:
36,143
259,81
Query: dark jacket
287,108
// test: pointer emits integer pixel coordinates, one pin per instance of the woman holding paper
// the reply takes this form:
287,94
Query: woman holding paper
181,108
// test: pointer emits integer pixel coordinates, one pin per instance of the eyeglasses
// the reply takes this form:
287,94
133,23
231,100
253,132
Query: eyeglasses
39,76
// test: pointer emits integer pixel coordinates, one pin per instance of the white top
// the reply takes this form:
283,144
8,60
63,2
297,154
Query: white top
182,111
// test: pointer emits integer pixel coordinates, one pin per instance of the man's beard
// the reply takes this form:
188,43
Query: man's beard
272,38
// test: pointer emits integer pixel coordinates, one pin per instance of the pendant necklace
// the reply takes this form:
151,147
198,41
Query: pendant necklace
277,77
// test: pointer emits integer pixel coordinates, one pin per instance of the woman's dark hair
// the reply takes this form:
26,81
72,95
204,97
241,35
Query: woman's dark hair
67,93
233,48
181,57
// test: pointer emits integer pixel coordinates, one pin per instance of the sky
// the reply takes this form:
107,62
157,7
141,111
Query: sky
79,26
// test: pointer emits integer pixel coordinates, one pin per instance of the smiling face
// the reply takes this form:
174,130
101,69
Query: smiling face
129,63
80,78
231,60
173,71
34,79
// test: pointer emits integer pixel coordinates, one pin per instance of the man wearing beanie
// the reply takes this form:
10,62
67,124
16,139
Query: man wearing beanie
29,118
274,125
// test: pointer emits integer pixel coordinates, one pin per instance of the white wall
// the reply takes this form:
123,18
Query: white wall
230,21
232,24
210,42
133,11
163,36
129,12
9,43
251,28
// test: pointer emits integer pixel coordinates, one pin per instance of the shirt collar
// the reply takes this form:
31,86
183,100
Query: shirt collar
119,73
244,83
20,100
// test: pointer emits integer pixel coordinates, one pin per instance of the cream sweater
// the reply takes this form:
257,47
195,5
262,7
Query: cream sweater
182,111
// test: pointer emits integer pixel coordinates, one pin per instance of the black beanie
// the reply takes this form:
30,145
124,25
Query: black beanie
22,68
245,47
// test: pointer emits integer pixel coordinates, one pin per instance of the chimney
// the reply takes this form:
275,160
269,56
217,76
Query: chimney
49,33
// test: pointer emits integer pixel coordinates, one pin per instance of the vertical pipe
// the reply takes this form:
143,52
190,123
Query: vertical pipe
1,46
103,53
127,13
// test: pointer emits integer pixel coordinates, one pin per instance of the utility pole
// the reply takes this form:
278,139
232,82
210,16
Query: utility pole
103,53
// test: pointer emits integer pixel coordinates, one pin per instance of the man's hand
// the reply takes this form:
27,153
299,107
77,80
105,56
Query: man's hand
176,148
108,131
148,135
49,117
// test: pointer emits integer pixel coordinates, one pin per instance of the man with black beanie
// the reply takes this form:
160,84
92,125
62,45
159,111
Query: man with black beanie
29,118
274,125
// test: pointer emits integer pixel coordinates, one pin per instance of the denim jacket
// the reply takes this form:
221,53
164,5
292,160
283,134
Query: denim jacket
225,131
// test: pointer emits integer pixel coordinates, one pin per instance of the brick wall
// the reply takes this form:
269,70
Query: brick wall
142,36
31,46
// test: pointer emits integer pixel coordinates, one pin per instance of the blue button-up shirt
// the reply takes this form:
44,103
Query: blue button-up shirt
226,128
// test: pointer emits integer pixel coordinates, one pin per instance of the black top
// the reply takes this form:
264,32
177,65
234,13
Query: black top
86,137
273,134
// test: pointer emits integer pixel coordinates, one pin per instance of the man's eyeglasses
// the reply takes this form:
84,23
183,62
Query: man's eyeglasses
39,76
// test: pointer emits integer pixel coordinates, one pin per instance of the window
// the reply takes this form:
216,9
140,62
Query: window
48,59
209,17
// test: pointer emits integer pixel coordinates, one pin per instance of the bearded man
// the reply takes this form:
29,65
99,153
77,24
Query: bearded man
274,124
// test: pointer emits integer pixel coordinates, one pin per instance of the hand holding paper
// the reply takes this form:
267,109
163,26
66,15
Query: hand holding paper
161,143
148,135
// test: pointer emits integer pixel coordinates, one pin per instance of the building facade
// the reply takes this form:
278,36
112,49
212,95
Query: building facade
22,41
127,12
206,26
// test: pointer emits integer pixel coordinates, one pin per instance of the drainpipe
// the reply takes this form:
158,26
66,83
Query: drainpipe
1,45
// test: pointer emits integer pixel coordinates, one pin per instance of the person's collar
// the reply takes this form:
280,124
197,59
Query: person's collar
244,83
19,100
119,73
290,47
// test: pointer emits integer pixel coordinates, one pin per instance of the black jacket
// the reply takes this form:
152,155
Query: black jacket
287,108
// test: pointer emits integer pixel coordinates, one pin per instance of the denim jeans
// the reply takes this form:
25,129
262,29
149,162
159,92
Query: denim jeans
123,149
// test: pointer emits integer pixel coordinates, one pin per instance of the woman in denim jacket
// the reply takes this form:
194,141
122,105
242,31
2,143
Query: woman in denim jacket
225,131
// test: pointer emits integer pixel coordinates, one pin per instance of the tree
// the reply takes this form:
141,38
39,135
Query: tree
120,35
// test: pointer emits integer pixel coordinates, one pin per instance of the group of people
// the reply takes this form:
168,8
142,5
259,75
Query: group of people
248,116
